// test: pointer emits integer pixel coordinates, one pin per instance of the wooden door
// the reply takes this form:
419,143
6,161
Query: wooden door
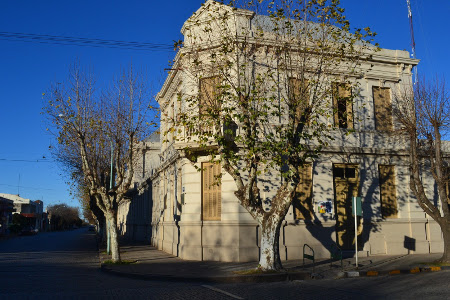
346,186
388,191
302,202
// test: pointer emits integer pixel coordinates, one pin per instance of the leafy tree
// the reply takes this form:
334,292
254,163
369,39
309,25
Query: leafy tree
18,223
63,216
424,112
91,212
258,100
98,132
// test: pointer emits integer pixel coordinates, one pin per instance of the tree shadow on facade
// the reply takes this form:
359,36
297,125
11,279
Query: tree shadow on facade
377,206
136,225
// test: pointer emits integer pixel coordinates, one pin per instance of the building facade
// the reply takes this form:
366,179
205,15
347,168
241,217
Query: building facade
135,212
196,220
6,211
32,210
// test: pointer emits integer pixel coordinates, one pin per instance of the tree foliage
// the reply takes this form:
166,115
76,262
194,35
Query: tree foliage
63,216
18,223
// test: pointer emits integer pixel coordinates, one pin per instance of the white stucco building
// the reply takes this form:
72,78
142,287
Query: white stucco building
134,212
365,159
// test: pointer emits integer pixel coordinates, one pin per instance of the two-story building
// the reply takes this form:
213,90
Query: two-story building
32,210
365,158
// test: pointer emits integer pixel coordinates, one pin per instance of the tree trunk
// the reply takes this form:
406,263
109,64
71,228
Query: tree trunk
445,227
114,243
270,240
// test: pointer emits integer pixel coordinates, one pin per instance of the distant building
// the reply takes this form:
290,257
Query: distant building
32,210
134,214
6,210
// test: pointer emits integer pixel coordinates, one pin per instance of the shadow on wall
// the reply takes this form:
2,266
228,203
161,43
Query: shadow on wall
137,224
374,212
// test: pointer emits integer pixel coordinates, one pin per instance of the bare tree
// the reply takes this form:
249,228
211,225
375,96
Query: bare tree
98,135
263,100
424,112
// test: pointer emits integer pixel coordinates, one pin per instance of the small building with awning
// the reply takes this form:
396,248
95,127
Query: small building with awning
32,210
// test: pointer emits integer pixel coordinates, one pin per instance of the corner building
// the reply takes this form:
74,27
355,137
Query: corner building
367,158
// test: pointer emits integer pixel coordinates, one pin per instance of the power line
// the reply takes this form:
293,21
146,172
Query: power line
27,160
27,187
81,41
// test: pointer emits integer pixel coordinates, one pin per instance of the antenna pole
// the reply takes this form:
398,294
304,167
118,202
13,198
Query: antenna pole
413,43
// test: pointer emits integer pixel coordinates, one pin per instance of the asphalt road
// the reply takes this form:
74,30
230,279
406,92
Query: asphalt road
65,265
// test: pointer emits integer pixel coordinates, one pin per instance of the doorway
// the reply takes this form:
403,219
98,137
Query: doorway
346,186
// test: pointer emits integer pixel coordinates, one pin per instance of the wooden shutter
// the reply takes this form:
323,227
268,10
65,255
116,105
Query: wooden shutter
299,95
343,105
211,192
208,102
303,206
383,108
388,191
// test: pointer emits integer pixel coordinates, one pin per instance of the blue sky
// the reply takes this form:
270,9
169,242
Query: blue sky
27,69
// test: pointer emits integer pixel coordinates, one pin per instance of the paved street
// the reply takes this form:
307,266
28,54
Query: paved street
65,265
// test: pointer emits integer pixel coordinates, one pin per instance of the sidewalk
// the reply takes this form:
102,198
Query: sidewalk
153,264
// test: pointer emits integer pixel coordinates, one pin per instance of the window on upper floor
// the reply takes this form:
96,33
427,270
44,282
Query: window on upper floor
342,105
209,104
383,108
299,97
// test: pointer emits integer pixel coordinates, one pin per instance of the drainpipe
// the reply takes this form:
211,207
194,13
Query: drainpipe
257,242
175,214
201,238
175,209
285,223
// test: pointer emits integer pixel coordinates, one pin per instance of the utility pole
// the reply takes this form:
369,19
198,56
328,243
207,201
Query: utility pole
18,186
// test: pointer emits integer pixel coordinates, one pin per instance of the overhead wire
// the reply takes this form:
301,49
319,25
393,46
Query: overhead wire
27,187
82,41
26,160
428,53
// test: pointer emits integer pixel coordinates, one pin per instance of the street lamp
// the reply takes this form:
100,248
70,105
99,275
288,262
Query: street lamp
108,235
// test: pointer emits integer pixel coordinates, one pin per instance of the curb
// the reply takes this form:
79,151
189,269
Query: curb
259,278
372,273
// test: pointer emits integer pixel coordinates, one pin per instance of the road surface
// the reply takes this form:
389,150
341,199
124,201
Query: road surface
65,265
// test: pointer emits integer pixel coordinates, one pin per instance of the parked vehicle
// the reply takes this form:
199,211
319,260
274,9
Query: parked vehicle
28,231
